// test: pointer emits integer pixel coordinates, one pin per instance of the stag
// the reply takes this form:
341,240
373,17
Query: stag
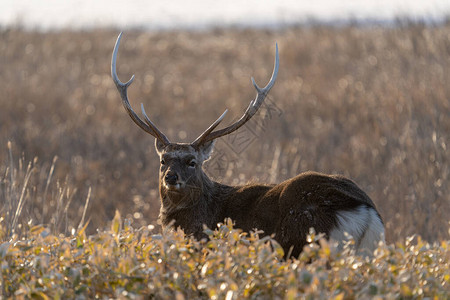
330,204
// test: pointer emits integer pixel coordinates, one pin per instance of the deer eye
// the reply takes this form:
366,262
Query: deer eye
163,162
192,163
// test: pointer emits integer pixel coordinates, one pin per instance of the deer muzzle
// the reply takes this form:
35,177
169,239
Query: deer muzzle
172,181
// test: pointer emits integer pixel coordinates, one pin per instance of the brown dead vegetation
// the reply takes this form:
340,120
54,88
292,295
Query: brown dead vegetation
370,103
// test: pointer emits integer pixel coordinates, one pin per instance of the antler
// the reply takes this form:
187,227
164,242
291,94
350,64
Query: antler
209,134
148,125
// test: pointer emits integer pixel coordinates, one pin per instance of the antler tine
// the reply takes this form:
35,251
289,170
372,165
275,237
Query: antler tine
205,133
147,126
209,135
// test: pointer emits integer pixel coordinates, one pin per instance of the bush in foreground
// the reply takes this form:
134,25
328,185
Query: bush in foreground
124,262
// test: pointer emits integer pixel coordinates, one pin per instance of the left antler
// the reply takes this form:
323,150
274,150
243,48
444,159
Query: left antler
148,125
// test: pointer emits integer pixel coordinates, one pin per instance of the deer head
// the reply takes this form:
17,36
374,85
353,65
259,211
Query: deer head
181,175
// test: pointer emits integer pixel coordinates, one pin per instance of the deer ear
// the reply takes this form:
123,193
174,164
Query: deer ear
206,149
159,146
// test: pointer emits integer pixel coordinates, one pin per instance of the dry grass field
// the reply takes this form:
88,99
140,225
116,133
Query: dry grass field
371,103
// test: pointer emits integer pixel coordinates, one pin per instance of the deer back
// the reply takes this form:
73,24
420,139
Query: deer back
291,208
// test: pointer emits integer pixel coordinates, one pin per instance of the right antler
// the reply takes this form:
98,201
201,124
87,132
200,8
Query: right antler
209,135
148,125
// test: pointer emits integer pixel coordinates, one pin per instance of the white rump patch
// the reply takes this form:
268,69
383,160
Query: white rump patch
362,224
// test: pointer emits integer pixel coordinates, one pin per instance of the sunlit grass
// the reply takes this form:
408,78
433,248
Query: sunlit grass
125,262
30,195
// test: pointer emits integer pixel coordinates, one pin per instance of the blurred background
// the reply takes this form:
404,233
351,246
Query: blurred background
363,90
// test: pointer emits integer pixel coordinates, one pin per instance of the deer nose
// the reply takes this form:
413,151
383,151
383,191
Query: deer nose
171,178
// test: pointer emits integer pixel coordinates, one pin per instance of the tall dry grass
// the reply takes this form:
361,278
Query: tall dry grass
371,103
